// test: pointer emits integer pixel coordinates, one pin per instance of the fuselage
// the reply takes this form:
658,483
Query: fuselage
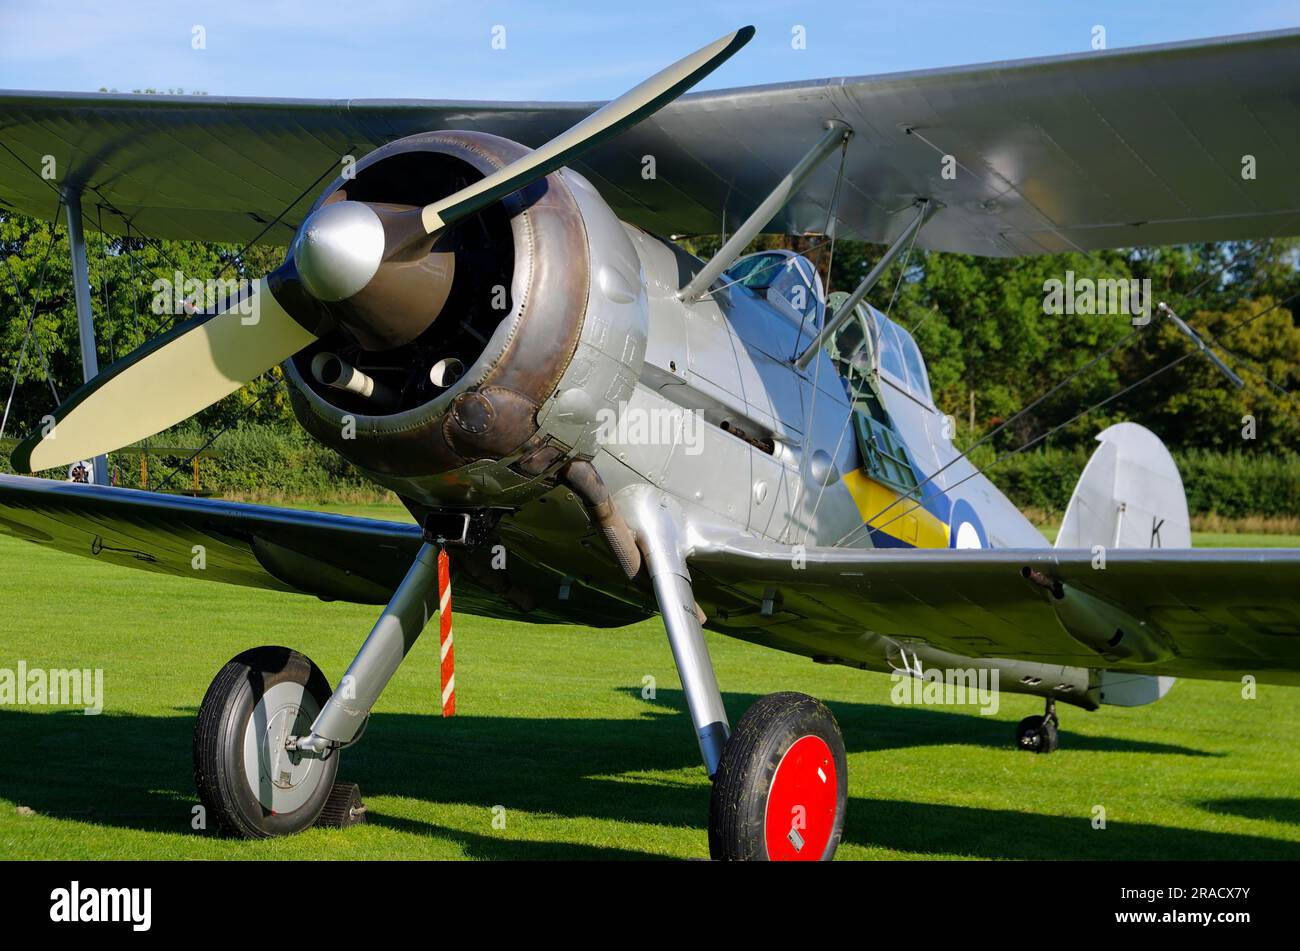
779,451
597,362
722,420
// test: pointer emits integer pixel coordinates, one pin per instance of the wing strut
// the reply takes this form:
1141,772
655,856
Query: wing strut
845,312
837,134
85,315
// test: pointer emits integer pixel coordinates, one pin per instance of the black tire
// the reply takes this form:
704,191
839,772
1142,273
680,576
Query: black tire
738,820
1037,734
222,730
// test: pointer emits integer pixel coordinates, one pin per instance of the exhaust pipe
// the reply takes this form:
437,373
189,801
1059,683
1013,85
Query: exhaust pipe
581,476
446,372
332,370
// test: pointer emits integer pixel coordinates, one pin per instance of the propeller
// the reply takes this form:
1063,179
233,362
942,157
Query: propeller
353,265
170,378
362,268
606,122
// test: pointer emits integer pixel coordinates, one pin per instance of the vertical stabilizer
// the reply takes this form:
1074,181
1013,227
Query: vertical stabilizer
1129,496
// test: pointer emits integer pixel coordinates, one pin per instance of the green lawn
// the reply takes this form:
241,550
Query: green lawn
553,728
1211,539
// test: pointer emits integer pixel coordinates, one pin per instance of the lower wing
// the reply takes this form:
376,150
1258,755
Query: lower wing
334,557
1201,613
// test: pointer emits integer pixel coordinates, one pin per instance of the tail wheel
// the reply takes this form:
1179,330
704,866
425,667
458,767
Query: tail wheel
782,787
1037,735
247,780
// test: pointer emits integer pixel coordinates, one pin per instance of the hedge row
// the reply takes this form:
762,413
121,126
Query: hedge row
250,460
279,461
1233,485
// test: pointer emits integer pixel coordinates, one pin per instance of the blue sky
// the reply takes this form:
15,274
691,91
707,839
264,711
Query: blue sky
554,50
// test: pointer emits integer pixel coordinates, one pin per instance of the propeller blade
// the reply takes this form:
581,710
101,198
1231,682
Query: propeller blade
166,381
603,124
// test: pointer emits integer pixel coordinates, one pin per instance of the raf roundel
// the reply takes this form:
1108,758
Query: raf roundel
965,528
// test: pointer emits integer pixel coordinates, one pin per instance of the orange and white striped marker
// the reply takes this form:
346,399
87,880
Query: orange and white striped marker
446,651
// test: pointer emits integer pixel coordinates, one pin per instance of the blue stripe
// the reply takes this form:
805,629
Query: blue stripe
882,539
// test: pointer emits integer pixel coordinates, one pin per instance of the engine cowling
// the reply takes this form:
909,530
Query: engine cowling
541,335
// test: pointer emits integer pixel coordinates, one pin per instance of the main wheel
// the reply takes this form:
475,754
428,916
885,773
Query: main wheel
247,780
1037,735
782,786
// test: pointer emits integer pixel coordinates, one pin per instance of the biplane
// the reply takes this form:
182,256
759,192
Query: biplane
489,314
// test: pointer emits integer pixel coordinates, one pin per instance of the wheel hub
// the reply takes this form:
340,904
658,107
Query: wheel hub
280,778
286,767
801,802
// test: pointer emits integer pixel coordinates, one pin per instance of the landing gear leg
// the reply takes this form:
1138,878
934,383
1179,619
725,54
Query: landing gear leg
780,781
659,536
405,616
1039,734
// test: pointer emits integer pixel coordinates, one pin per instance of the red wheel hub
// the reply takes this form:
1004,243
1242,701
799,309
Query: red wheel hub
801,802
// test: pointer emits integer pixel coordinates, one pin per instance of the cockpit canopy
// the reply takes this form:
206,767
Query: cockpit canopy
791,284
872,341
900,360
788,281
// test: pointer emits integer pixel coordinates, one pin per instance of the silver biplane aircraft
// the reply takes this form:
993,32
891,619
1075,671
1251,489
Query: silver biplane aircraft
472,313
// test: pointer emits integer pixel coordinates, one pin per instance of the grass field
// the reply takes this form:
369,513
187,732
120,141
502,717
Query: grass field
554,728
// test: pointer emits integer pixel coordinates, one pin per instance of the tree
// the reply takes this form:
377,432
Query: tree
124,275
984,329
981,323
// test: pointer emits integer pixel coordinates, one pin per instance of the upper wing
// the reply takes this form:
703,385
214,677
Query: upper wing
1209,613
335,557
1142,146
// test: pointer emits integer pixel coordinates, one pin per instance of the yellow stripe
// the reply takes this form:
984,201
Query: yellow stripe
918,527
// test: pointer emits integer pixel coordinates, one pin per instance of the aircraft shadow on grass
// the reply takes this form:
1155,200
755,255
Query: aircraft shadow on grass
1274,809
134,772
